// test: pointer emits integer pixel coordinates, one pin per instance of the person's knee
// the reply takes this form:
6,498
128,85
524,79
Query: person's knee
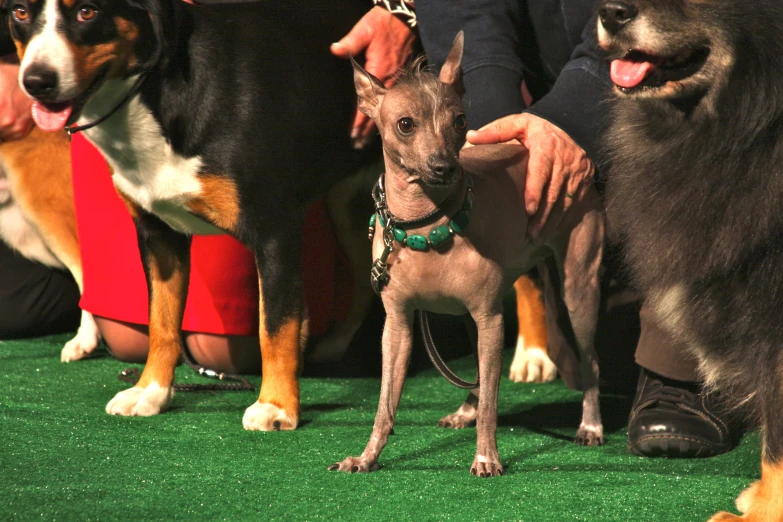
126,341
225,353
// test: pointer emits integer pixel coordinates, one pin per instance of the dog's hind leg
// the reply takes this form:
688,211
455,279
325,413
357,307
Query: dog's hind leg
490,353
282,331
397,344
465,416
166,259
581,293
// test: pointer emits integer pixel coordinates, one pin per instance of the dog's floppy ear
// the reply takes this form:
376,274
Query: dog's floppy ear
451,72
369,89
161,15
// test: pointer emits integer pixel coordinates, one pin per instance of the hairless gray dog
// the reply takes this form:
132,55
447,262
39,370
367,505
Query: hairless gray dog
468,251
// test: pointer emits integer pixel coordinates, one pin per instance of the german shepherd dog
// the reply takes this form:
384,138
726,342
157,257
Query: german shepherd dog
214,119
696,189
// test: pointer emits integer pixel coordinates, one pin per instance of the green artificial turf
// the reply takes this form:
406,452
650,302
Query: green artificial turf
63,458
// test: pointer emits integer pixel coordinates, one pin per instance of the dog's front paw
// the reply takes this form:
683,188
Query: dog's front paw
747,498
263,416
355,465
486,467
532,365
84,343
142,402
590,435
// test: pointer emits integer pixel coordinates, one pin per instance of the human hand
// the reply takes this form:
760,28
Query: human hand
559,173
387,42
16,118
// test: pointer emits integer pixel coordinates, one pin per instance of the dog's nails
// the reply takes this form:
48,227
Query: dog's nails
333,467
355,469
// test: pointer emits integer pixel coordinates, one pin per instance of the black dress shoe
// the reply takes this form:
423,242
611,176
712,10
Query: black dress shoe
676,419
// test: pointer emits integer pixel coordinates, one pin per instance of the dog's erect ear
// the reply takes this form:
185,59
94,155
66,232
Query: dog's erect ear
451,72
369,89
161,15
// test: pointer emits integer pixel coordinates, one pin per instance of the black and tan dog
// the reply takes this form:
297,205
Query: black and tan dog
695,189
214,119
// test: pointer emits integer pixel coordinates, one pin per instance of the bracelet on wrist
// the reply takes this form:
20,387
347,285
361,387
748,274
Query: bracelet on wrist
403,9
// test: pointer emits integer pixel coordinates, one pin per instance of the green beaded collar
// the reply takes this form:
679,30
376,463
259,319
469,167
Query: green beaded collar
437,236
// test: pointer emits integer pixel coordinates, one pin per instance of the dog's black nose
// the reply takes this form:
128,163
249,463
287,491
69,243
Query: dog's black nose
614,15
441,166
40,82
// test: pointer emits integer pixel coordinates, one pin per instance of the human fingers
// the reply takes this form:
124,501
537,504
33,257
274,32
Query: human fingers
513,126
356,41
389,48
542,189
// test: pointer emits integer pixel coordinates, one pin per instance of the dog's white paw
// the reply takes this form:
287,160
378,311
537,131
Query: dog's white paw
532,365
262,416
84,343
141,402
746,499
590,435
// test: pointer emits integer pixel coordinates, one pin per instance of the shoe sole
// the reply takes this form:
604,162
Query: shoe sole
674,447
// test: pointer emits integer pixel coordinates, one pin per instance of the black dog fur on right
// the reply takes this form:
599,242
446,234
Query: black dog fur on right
696,189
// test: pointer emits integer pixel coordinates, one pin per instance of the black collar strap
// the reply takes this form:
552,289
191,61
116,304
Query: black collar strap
130,94
381,206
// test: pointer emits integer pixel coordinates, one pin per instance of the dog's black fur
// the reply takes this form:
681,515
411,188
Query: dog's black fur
253,91
696,188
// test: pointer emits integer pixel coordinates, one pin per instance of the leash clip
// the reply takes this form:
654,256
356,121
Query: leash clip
379,274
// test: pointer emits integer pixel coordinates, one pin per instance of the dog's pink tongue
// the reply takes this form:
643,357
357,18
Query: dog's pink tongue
628,74
49,120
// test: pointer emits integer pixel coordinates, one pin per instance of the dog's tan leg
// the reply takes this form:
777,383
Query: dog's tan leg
397,345
166,259
581,293
763,500
283,333
490,352
39,171
531,362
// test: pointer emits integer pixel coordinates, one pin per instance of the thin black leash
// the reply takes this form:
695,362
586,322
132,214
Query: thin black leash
128,96
131,375
437,360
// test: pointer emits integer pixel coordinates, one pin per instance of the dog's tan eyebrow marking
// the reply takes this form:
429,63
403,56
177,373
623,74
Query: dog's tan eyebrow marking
69,3
89,59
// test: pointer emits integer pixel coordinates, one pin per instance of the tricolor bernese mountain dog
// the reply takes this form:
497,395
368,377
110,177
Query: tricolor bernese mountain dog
214,119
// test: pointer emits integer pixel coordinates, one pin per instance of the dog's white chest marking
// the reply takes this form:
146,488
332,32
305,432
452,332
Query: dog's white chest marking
146,168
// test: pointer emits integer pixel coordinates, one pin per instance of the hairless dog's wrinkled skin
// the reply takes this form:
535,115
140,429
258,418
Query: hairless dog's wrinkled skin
471,272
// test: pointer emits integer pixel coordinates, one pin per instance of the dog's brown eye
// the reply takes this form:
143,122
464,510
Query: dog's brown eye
461,122
406,126
21,14
86,13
